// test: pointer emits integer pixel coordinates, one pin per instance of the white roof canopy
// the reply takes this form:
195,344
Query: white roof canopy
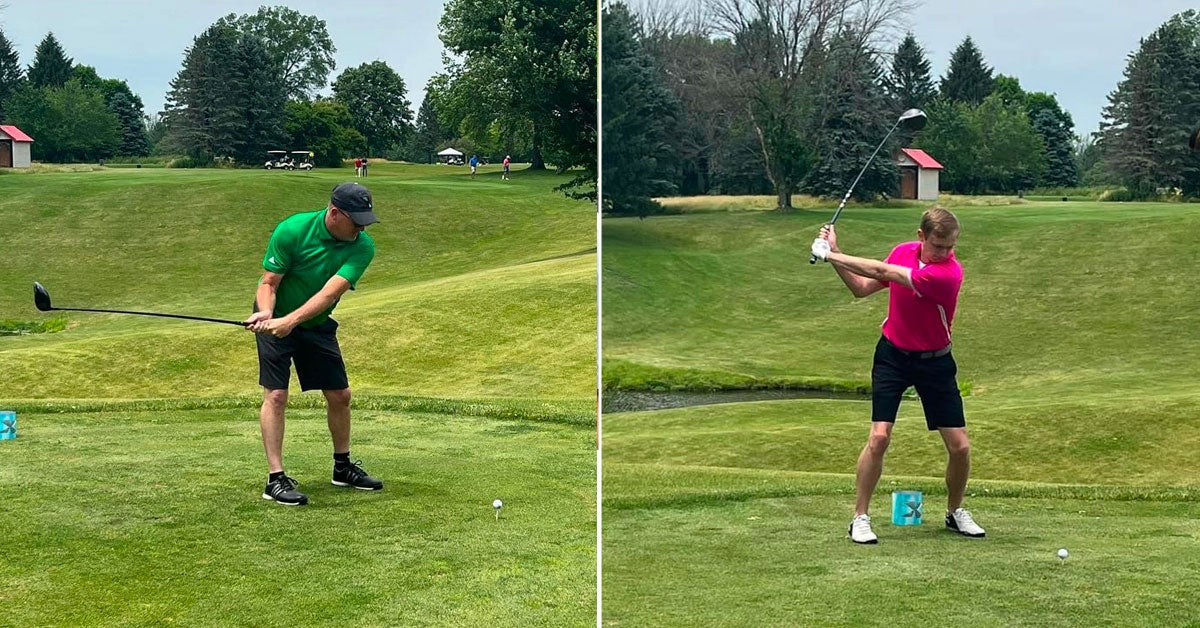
450,151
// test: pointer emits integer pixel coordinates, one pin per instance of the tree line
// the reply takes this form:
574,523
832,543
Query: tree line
520,81
762,97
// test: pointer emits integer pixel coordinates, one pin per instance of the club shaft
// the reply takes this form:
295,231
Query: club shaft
183,316
812,259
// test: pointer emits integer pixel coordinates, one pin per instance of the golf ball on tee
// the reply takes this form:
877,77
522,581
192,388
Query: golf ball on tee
498,504
1062,553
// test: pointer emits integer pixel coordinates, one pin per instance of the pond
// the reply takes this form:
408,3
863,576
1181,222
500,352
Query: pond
640,401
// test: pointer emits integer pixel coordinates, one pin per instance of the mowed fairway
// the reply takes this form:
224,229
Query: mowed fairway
132,494
1074,337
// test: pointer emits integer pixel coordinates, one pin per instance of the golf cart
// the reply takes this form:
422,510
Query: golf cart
302,160
278,160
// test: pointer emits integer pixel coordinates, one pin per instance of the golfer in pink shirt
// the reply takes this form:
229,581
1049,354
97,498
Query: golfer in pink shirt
923,279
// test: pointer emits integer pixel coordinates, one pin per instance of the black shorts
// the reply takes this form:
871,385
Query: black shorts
315,351
895,370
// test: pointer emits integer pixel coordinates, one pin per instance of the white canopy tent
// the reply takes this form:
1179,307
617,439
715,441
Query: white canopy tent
450,156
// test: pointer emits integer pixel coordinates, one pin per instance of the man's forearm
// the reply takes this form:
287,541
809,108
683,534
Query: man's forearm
869,268
318,303
856,284
264,297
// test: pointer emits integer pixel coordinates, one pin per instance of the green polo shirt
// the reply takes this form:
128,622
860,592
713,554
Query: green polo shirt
307,255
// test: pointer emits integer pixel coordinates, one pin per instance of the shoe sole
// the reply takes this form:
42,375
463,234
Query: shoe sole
361,488
299,503
969,536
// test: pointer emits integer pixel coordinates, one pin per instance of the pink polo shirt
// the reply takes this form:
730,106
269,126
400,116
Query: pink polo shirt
920,319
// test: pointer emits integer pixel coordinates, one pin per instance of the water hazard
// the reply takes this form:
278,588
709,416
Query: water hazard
641,401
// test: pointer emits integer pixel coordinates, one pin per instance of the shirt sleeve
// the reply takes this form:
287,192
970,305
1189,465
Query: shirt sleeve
356,264
937,282
278,258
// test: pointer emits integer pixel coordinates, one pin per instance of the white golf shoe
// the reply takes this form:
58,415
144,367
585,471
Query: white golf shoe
961,522
860,530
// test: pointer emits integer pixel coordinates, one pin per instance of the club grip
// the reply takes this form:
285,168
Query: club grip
812,259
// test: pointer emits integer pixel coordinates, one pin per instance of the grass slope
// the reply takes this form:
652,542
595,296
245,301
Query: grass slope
131,496
1072,334
1058,299
471,277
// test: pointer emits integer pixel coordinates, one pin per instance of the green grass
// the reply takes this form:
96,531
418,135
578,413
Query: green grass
1072,339
131,496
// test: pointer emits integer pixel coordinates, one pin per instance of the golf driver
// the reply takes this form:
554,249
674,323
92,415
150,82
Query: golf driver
913,120
41,298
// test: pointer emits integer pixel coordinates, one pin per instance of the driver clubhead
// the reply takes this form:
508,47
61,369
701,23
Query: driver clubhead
913,119
1194,140
41,298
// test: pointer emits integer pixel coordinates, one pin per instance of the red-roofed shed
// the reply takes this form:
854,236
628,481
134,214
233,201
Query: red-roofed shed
918,174
14,147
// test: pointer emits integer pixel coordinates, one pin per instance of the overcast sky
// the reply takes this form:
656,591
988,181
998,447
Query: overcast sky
1075,49
143,41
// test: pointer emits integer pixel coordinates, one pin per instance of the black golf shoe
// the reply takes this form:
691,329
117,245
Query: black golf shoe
353,475
284,491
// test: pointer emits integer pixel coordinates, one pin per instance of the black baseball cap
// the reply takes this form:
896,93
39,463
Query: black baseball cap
354,199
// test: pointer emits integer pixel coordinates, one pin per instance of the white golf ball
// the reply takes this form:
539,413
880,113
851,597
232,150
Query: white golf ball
498,504
1062,553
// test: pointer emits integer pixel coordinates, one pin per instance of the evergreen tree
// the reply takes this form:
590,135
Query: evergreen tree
11,74
1152,111
51,67
428,130
134,141
1127,132
967,79
1056,129
262,97
638,124
227,100
858,116
910,82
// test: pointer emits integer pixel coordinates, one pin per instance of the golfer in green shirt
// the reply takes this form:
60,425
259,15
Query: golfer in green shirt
312,259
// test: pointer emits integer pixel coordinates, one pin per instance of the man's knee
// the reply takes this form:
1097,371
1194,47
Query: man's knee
878,442
338,397
276,397
957,444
